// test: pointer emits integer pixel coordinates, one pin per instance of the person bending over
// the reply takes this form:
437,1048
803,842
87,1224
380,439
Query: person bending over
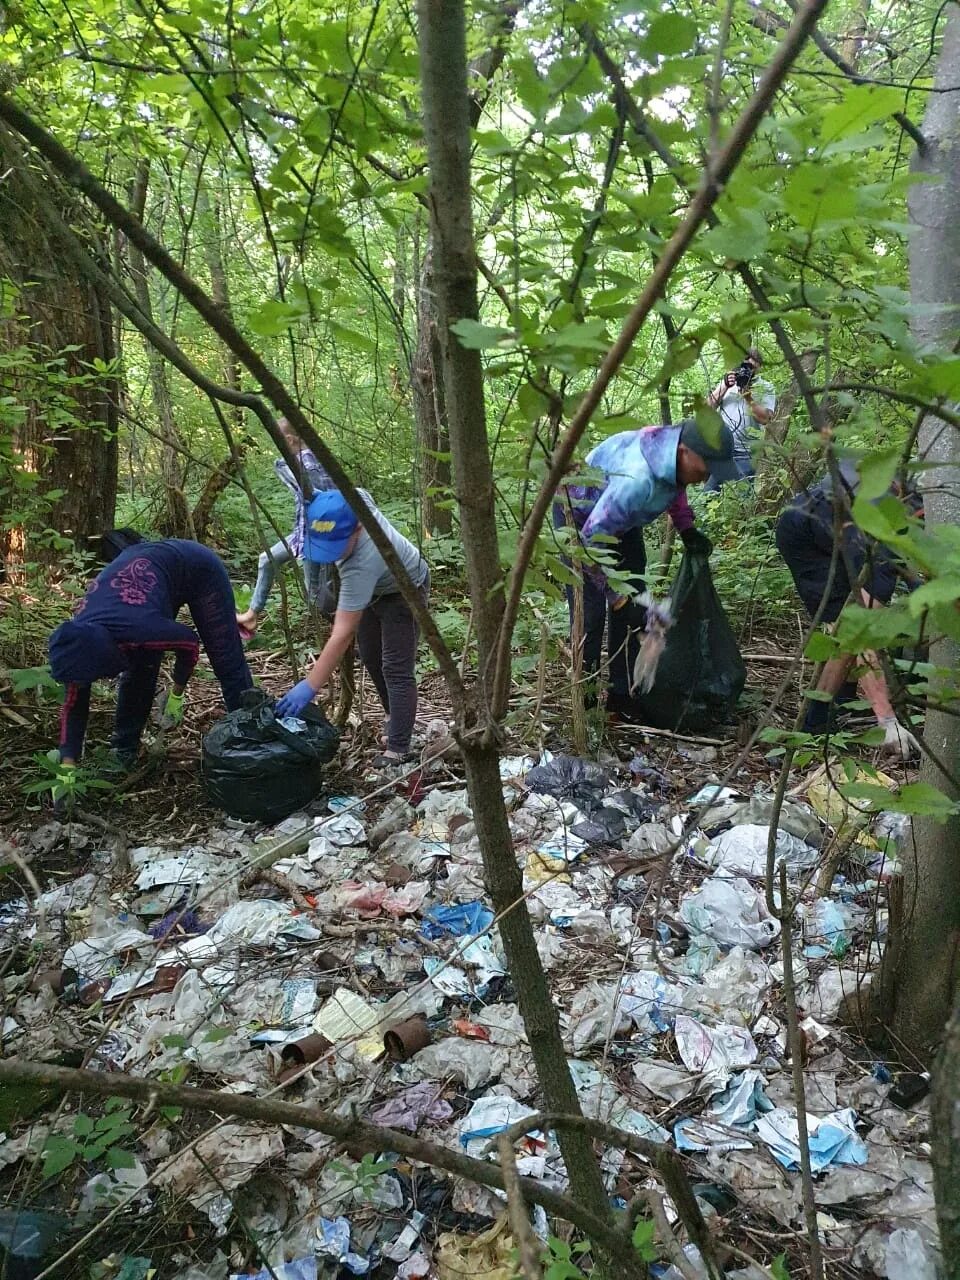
124,625
645,473
370,607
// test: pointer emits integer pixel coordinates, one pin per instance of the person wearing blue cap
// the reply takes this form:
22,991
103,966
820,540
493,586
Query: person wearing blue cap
645,473
127,621
370,608
291,547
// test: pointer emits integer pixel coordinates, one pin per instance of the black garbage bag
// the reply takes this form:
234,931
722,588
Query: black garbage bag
257,770
570,778
701,673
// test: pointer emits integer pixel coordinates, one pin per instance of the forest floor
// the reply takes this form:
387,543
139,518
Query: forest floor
673,1016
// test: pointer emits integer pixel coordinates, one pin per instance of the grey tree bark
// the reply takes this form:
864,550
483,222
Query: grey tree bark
176,521
924,983
443,72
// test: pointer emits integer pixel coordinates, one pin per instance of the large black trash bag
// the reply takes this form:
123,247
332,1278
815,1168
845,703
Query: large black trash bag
257,770
701,673
570,778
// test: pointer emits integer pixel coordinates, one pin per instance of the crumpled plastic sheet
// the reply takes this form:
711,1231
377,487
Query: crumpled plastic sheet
714,1052
571,778
731,912
475,1062
832,1138
456,920
490,1115
298,1269
333,1241
412,1107
743,849
232,1152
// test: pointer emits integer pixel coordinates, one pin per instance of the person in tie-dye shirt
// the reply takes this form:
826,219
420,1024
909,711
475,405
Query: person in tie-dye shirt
644,474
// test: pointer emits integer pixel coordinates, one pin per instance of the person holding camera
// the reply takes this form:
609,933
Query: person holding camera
745,401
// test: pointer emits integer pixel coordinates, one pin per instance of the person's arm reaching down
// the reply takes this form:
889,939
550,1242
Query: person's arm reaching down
345,623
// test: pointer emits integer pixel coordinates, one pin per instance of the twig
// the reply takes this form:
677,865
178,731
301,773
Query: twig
670,1242
121,846
279,881
528,1258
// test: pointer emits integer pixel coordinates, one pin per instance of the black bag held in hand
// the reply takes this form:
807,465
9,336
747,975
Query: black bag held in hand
257,770
701,674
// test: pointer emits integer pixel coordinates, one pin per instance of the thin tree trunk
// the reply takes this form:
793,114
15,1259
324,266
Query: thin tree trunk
177,522
945,1131
443,69
430,408
925,977
218,480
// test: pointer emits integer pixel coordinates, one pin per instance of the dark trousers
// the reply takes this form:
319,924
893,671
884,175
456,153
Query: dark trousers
213,611
623,645
387,638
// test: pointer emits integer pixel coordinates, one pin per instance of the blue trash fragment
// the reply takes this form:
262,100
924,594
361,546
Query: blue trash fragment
457,921
333,1241
298,1269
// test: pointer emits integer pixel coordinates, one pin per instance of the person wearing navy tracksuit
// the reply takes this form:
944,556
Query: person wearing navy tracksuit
126,623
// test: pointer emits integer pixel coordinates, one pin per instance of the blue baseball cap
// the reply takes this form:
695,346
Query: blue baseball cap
330,526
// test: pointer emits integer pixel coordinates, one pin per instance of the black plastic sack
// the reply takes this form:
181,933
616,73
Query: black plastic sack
570,778
701,673
257,770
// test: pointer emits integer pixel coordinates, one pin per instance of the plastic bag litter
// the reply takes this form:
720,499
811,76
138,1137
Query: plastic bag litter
701,673
571,778
910,1257
828,927
475,1062
849,817
457,920
832,1139
333,1241
731,912
257,922
412,1107
734,986
488,1255
713,1052
595,1014
342,830
744,849
257,770
491,1115
221,1161
664,1080
650,839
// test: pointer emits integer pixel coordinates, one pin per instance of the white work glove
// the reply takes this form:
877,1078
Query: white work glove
898,741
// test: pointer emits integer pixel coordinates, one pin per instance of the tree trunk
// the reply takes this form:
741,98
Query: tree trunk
60,420
176,521
218,480
430,408
945,1132
924,980
443,70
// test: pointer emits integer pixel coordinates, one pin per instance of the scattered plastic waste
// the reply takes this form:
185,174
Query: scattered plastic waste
731,912
368,976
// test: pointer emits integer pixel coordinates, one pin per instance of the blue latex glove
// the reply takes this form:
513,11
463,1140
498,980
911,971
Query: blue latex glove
294,702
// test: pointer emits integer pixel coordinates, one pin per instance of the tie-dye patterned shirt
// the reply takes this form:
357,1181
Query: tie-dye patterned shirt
641,484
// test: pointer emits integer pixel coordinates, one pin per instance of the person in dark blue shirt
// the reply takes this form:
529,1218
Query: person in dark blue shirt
126,623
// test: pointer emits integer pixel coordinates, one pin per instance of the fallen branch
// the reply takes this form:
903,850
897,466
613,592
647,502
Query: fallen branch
528,1258
346,1129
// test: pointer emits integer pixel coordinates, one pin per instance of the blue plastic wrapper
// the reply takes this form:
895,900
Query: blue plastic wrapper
333,1241
459,920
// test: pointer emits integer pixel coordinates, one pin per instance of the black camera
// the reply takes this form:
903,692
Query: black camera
744,374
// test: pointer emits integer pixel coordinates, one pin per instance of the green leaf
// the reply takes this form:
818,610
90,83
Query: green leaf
118,1158
82,1125
643,1239
479,337
815,194
916,798
175,1042
877,473
216,1034
670,34
821,647
58,1154
778,1268
273,318
745,234
862,105
943,590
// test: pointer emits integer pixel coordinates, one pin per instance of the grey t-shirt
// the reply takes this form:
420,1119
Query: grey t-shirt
735,412
364,576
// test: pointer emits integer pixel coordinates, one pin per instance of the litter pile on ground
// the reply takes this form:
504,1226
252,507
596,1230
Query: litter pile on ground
363,973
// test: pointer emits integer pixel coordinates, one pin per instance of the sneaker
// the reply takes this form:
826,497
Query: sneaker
392,759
